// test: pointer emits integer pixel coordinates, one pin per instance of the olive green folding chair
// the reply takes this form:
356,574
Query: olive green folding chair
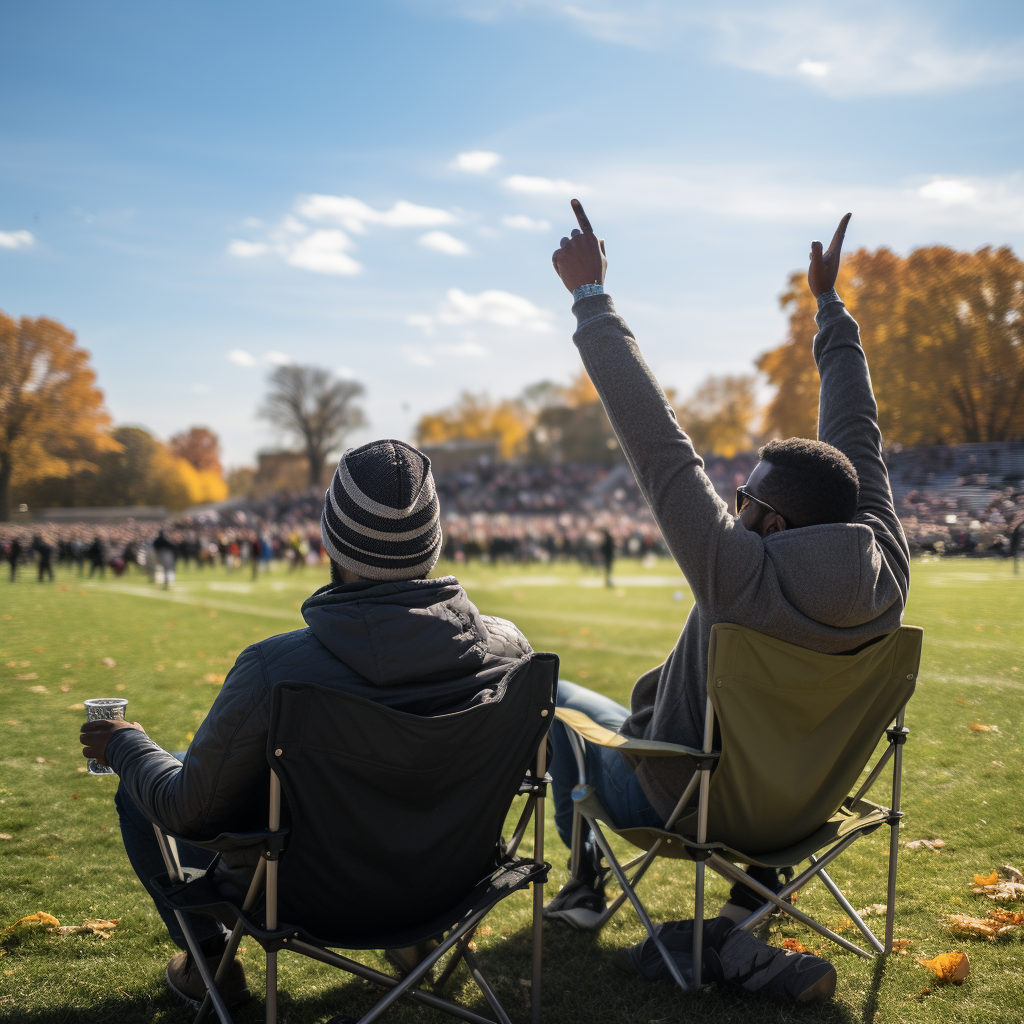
797,730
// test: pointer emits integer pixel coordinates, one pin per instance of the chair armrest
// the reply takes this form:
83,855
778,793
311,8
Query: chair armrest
588,729
229,842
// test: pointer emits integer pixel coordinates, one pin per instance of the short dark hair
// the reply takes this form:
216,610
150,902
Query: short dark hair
809,482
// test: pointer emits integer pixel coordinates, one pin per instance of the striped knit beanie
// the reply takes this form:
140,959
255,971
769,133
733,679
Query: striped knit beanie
381,516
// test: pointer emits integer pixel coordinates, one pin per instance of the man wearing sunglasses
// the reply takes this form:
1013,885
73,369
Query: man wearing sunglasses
815,555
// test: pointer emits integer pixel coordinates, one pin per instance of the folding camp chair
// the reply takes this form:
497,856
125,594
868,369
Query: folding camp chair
388,835
796,730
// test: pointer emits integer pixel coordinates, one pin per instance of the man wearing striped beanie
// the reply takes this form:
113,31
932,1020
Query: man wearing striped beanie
381,629
381,518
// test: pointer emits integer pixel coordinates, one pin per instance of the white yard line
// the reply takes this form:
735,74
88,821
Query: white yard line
176,597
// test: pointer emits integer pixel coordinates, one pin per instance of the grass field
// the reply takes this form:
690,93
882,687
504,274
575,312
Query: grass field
167,653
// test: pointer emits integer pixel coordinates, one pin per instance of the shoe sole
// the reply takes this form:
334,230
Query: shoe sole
823,989
239,1000
580,919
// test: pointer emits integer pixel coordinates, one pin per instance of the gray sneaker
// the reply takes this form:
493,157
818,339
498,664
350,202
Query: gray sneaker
577,904
758,968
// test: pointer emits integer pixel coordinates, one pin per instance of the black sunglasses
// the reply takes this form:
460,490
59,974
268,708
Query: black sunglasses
743,496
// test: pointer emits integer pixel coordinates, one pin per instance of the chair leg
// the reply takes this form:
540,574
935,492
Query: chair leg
641,911
538,888
485,986
894,838
204,968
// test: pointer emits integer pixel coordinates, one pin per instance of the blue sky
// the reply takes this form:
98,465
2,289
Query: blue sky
202,189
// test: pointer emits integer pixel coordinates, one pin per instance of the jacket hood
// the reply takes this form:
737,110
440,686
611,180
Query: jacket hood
834,574
394,633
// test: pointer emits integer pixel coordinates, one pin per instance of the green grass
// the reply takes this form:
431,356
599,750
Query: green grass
65,855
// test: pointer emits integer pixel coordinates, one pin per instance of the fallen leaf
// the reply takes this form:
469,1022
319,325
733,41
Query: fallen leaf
6,835
1002,891
38,689
76,707
41,917
212,677
12,721
65,688
928,844
109,662
876,910
987,879
948,966
984,927
485,930
40,760
920,995
120,686
978,727
23,676
1010,872
795,945
1010,917
900,945
92,926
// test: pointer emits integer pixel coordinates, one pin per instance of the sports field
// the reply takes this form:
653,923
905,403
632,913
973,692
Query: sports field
168,653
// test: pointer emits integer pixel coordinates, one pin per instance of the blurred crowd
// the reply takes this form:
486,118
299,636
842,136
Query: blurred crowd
949,502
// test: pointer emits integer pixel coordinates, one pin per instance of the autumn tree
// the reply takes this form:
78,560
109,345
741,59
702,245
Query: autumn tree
720,415
944,335
476,418
315,408
200,447
52,419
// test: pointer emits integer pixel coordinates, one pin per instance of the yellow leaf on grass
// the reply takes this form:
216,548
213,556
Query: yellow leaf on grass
109,662
38,918
212,677
978,727
987,879
795,945
979,926
900,945
1010,917
92,926
76,707
948,966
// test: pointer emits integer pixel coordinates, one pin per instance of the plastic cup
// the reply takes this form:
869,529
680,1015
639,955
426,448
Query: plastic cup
100,709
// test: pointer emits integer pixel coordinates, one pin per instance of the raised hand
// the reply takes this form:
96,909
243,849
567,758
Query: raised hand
580,259
821,274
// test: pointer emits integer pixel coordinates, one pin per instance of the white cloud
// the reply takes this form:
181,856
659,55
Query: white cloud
534,186
872,48
240,357
493,307
252,222
353,214
441,241
278,359
948,193
477,161
324,251
463,348
17,239
246,250
814,68
520,222
417,356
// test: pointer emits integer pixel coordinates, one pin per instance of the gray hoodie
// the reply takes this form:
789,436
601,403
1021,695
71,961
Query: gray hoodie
827,588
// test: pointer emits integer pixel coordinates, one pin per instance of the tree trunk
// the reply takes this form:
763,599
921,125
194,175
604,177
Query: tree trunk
316,465
5,490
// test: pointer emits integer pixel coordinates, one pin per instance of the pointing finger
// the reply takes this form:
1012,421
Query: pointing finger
600,242
815,250
836,245
577,208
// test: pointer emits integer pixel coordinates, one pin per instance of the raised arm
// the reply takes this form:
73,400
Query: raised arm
696,524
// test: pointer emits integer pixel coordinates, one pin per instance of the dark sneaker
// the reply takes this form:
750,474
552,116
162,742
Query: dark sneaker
577,904
405,959
645,960
185,981
756,967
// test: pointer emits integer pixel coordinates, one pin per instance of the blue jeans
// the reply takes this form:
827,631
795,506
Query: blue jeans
144,854
615,782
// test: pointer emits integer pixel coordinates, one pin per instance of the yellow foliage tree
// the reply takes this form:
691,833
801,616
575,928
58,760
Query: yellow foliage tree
944,335
719,416
52,419
477,418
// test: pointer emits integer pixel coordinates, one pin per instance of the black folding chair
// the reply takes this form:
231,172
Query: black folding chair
388,835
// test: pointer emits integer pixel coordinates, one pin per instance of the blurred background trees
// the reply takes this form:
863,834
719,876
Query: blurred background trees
314,407
944,336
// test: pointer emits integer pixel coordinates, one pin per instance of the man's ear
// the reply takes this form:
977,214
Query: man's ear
774,523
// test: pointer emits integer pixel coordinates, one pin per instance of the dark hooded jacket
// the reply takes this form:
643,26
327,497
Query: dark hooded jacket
419,646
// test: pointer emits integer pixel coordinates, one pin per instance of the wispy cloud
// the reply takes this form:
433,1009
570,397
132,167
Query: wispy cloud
537,186
877,48
240,357
441,241
476,161
520,222
248,361
354,215
17,239
494,307
324,251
